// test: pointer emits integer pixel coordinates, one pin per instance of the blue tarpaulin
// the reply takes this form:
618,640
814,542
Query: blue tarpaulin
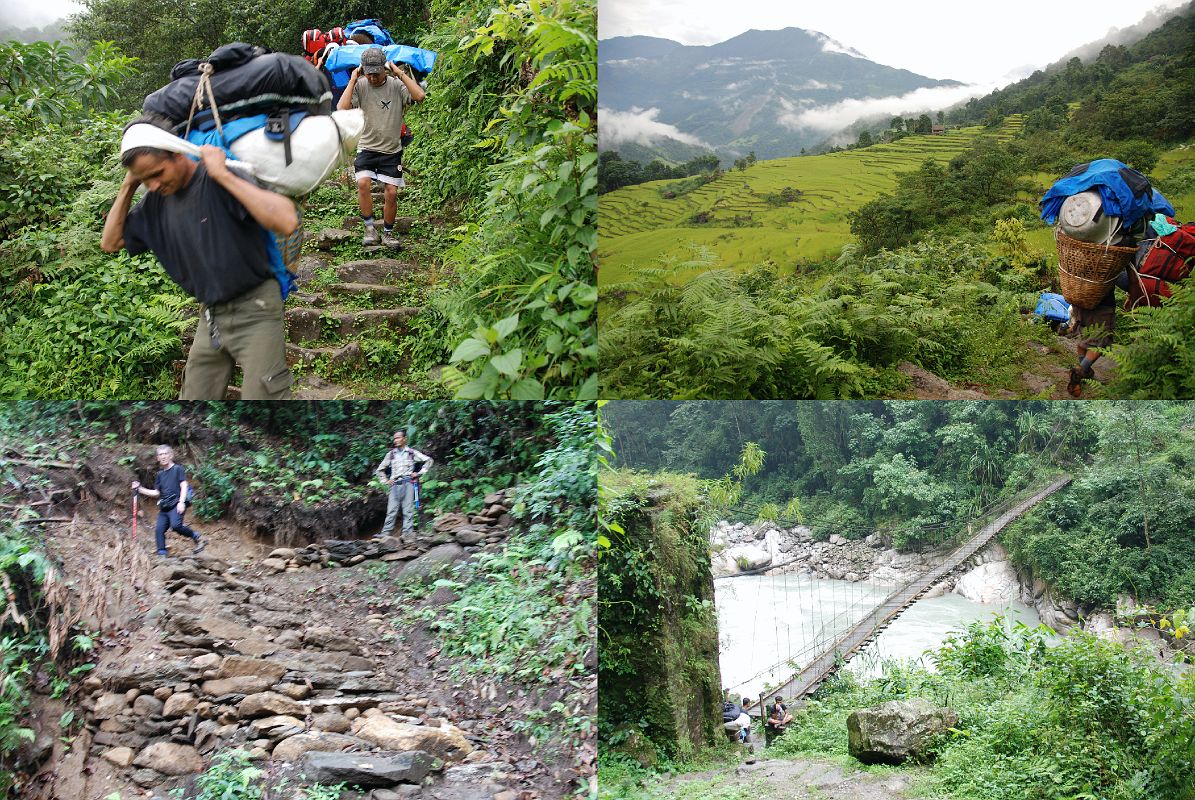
1053,307
1125,192
373,27
347,57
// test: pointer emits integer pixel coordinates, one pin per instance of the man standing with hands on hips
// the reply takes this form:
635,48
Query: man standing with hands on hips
383,98
397,471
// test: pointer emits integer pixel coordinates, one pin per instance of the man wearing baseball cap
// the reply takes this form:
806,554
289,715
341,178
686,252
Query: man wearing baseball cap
383,97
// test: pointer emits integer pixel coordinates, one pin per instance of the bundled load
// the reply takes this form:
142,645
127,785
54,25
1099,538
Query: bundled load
293,162
1100,207
244,80
269,110
1166,254
373,27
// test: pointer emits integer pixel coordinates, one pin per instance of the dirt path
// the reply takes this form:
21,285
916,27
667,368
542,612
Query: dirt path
794,779
242,647
1045,373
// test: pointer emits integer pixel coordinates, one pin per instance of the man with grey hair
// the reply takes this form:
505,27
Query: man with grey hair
171,490
383,97
398,471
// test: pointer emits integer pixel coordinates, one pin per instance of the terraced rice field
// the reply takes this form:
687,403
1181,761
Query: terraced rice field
638,224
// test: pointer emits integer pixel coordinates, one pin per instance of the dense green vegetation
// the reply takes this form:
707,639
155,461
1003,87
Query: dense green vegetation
658,642
1085,718
614,172
506,202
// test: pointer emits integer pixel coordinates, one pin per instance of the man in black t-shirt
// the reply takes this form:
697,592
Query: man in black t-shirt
170,488
207,226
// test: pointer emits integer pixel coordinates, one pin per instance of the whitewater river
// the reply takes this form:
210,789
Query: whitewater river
769,620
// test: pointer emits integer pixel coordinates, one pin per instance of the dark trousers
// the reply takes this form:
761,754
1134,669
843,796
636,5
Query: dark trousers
170,518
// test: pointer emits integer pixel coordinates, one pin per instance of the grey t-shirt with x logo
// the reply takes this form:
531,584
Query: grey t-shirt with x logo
383,108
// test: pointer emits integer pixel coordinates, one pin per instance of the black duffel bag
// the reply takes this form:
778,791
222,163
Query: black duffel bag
245,80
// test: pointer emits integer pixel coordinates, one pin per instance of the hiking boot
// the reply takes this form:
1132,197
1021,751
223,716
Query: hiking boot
370,237
163,553
390,240
199,544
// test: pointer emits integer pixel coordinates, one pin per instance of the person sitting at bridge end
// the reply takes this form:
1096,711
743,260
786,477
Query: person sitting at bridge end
778,718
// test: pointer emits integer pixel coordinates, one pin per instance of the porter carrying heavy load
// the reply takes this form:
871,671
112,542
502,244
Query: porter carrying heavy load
268,110
1101,204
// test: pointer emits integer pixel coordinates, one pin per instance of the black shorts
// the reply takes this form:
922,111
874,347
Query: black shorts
383,167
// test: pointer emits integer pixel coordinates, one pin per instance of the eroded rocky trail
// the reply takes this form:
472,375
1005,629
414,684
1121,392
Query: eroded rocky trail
794,779
322,661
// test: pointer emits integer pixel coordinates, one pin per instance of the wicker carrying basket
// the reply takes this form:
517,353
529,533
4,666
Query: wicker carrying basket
1086,271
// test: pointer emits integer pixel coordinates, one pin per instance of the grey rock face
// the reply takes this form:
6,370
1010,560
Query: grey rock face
365,771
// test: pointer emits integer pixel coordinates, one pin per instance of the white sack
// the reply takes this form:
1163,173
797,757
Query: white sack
318,145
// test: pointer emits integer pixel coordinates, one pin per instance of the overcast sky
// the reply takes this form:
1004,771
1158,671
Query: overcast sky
986,43
30,14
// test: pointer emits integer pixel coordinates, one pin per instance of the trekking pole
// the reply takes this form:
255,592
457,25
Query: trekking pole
135,494
415,522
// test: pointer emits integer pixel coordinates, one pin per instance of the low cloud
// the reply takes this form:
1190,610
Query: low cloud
836,116
639,126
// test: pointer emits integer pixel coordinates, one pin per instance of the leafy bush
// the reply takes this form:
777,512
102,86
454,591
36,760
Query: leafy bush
742,336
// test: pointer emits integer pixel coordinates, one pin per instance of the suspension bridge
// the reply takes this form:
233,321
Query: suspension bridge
835,643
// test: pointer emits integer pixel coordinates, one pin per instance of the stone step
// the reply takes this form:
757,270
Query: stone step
336,356
375,270
371,290
401,224
313,324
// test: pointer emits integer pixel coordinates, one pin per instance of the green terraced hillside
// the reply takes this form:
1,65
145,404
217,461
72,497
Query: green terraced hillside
739,218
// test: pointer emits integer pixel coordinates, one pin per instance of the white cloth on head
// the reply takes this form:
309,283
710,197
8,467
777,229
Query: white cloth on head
145,135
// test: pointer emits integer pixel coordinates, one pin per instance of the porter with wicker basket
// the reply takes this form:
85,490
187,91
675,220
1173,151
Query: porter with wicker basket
1086,270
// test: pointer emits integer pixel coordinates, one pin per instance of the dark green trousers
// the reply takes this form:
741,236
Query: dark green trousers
252,334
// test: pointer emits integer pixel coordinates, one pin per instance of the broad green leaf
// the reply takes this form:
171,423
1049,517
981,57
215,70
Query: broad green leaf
469,350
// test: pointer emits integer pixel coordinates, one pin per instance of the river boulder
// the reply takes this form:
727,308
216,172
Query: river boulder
893,732
993,583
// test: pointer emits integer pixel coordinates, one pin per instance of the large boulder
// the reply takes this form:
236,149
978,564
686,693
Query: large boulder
993,583
169,758
447,742
433,561
893,732
366,771
242,684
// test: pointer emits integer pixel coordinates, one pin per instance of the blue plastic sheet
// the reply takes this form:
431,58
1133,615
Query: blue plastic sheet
347,57
1124,191
1053,307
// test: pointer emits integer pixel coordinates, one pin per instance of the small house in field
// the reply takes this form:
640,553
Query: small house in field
936,129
